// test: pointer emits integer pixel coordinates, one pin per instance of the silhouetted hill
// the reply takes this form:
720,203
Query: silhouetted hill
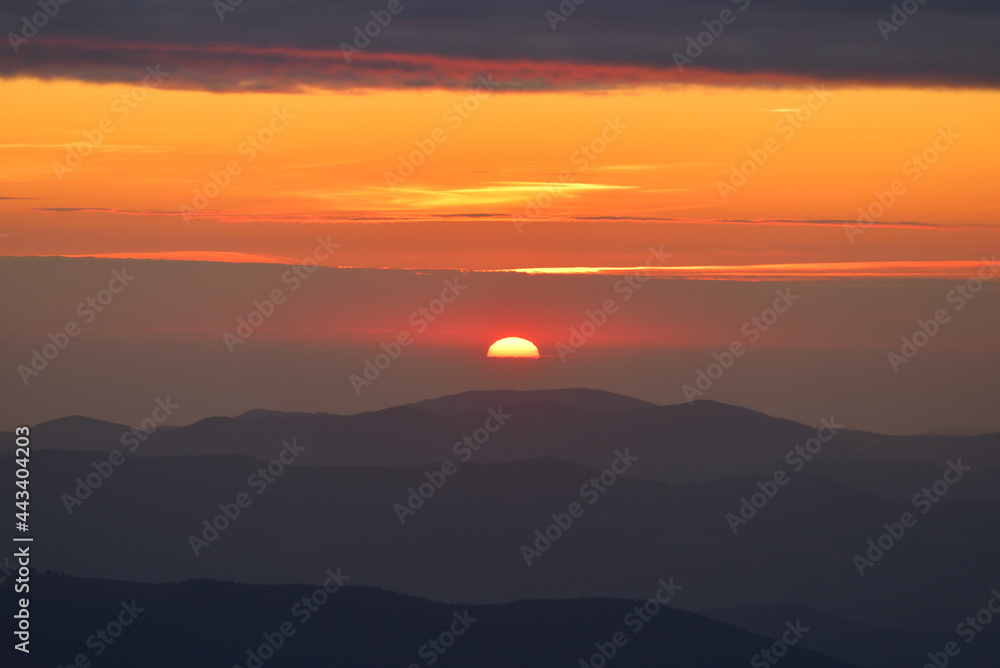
73,433
464,543
678,444
593,401
864,645
205,623
348,498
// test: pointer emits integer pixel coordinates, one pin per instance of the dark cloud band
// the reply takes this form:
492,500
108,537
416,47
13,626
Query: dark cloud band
529,44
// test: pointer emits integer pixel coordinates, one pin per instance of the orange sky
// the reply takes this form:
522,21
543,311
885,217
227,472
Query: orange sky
657,181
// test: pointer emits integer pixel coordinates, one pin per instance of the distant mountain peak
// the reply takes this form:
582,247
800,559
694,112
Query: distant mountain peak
82,422
260,413
593,401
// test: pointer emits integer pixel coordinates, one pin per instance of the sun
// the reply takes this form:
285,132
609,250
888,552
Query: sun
513,346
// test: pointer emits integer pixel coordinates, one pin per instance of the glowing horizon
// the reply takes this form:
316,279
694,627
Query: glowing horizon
498,180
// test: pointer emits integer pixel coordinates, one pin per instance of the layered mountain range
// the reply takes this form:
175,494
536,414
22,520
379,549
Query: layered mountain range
540,506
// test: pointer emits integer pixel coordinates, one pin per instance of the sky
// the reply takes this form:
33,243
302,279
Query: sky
545,152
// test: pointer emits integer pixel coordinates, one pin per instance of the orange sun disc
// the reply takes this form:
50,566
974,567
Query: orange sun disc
513,346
